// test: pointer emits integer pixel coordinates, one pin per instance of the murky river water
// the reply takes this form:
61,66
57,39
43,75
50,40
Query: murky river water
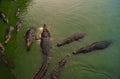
98,18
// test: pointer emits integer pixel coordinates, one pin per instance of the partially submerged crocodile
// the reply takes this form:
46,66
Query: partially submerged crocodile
94,46
56,72
30,37
8,34
3,17
3,58
46,47
70,39
17,12
19,25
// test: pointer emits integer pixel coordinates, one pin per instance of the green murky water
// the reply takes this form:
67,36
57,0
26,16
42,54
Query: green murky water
98,18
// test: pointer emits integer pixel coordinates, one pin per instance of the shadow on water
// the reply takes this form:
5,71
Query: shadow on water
8,7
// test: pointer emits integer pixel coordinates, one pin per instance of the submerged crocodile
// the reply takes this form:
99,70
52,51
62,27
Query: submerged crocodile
94,46
4,18
30,37
46,47
2,55
8,34
43,69
70,39
19,25
55,73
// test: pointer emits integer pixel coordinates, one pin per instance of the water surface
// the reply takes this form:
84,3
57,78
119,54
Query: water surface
98,18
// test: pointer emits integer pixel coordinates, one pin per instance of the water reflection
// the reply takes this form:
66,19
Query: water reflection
38,34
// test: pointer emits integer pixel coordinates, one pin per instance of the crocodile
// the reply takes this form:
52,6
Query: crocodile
19,25
4,18
56,72
30,37
3,58
46,47
8,34
70,39
17,12
94,46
